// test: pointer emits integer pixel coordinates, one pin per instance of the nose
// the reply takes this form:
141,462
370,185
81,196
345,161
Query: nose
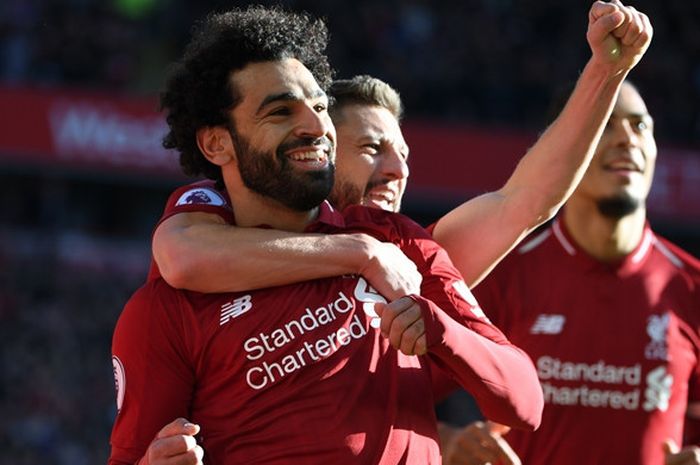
313,124
626,134
394,165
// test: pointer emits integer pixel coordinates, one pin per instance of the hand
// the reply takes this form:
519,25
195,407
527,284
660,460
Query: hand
674,455
618,35
477,444
174,445
402,323
390,272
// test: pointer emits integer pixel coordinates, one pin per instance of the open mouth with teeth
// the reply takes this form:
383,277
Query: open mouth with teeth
380,198
309,159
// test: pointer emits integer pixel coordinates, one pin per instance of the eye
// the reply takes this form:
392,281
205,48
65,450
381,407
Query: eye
641,125
373,147
280,111
320,107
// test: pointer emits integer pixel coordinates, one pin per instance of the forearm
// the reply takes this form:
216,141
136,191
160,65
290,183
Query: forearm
208,257
544,178
500,376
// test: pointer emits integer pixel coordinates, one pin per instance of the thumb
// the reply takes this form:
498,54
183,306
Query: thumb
178,426
669,446
378,308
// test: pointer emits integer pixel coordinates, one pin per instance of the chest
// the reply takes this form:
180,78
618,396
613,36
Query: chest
599,340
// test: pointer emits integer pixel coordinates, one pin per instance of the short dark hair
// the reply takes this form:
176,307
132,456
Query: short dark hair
198,91
364,90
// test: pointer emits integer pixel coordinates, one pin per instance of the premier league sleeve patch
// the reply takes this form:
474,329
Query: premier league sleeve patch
201,196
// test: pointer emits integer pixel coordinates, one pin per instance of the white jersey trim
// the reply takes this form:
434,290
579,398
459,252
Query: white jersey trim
570,249
668,254
531,244
645,246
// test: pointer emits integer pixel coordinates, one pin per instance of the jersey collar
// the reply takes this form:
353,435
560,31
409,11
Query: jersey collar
327,216
629,263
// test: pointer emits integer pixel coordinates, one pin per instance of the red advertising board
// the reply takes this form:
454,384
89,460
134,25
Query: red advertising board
115,134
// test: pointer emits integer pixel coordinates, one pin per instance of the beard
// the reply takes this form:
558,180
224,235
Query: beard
345,193
272,176
618,206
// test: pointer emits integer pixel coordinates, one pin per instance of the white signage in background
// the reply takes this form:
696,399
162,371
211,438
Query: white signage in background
103,134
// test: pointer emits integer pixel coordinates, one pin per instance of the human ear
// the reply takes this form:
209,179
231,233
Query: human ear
215,144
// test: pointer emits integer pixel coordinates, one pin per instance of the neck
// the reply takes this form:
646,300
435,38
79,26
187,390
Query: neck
251,209
604,238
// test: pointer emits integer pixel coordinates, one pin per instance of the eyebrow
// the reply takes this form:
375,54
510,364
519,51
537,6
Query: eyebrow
286,97
375,136
633,115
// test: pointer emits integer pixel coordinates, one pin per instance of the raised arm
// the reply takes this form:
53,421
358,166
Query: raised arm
201,252
483,230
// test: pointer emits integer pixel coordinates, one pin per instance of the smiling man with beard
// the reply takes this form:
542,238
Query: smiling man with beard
321,371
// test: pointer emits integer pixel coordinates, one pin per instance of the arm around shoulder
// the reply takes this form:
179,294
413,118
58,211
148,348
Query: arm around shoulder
201,252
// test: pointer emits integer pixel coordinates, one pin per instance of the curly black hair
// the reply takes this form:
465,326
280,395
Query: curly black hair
198,92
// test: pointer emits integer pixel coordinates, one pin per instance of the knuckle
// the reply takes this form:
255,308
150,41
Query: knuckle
156,449
412,332
194,456
417,313
421,347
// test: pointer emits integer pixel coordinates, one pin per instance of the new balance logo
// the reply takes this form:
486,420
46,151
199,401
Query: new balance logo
548,324
235,308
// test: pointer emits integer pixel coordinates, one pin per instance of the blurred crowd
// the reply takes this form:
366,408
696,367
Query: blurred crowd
486,62
57,313
71,253
490,62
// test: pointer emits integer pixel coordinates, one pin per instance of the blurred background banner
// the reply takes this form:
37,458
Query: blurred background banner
88,132
84,178
103,133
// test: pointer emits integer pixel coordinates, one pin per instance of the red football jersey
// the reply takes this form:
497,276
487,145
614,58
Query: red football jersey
201,196
615,346
301,374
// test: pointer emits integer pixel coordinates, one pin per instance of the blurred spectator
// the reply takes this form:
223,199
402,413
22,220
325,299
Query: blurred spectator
489,61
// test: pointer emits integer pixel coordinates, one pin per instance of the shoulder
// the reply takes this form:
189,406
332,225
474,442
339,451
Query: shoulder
682,262
202,196
382,220
676,255
542,244
154,296
199,193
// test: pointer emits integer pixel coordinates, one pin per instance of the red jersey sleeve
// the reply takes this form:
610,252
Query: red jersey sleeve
465,344
154,381
201,196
